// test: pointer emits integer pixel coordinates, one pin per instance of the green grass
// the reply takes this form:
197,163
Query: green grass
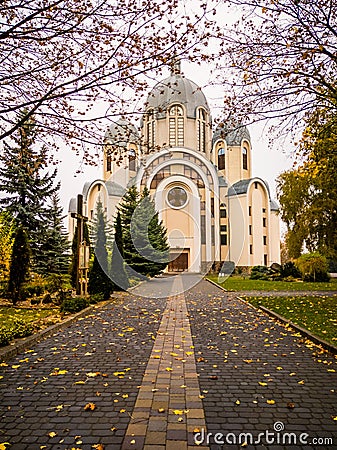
237,283
21,322
316,314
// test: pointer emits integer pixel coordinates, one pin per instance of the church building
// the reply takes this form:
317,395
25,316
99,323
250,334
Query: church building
200,178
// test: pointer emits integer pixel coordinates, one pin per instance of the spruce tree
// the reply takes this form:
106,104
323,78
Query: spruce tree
99,281
24,183
144,236
54,250
19,266
126,208
117,272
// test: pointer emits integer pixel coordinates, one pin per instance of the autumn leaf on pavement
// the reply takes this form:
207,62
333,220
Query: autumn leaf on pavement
90,407
3,445
98,446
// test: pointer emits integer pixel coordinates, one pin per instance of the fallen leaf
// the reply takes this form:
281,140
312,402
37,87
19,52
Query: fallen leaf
237,402
271,402
98,446
3,445
90,407
52,434
290,405
161,410
261,383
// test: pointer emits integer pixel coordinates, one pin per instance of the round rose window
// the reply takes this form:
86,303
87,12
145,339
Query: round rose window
177,197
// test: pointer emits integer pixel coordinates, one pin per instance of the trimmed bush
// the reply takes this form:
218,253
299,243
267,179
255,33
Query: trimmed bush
259,273
74,304
18,329
289,269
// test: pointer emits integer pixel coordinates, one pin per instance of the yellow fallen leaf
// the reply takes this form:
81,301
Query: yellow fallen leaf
334,417
271,402
261,383
237,402
189,353
3,445
98,446
301,382
122,410
16,366
161,410
90,407
248,361
169,369
52,434
133,441
178,412
92,374
174,354
125,396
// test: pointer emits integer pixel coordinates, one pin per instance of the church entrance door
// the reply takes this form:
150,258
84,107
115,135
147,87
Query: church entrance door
179,263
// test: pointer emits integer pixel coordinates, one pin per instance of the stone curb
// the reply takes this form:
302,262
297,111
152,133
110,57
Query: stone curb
326,345
19,345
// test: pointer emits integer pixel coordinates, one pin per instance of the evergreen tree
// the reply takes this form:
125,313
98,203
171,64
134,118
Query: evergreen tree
19,266
118,273
144,236
99,281
7,227
74,253
94,226
126,208
25,183
53,252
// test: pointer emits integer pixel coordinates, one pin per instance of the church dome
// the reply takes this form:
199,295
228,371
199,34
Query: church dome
233,136
121,133
176,89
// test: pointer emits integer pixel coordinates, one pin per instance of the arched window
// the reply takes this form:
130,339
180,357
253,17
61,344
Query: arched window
245,158
176,126
201,121
221,158
132,160
150,129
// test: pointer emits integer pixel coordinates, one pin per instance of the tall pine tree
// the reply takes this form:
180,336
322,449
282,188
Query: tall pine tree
117,272
99,280
20,262
144,236
25,183
54,250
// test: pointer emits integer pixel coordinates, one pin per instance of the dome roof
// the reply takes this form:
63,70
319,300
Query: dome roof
176,89
120,133
233,136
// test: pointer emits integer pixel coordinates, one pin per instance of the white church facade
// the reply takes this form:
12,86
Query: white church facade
200,179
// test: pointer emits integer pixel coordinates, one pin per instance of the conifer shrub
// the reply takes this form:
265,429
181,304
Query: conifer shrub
74,304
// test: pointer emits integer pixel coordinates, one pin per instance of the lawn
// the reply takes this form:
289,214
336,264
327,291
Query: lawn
316,314
21,322
238,283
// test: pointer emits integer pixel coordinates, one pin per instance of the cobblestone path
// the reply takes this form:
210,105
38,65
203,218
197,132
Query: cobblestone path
157,373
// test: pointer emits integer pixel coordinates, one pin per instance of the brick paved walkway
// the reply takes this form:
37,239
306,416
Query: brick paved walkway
154,370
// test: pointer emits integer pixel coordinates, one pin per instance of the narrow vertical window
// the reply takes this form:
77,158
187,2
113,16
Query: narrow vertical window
150,129
108,163
176,126
132,160
201,120
221,159
245,158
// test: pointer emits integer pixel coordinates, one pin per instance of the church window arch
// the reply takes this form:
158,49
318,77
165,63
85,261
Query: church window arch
221,158
245,157
176,126
132,160
201,123
150,129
